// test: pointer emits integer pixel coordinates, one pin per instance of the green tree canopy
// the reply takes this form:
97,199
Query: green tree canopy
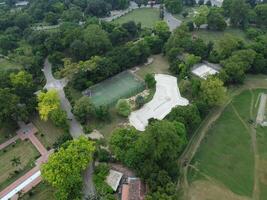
64,167
123,107
83,109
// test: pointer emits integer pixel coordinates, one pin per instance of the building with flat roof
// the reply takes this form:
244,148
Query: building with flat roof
134,189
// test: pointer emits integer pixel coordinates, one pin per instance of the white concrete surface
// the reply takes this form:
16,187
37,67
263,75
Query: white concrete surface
261,111
204,70
113,179
166,97
22,185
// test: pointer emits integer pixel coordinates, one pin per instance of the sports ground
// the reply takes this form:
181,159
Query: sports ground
231,162
108,92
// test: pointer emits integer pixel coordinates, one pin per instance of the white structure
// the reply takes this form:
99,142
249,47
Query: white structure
22,185
113,179
166,97
261,118
22,3
204,70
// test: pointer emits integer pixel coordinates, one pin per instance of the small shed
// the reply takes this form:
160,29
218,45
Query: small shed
113,179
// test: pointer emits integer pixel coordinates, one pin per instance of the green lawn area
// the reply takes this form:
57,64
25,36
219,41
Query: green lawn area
214,36
48,133
27,154
40,192
159,65
226,154
6,65
7,131
146,16
106,128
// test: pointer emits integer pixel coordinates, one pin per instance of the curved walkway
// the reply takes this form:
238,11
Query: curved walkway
75,126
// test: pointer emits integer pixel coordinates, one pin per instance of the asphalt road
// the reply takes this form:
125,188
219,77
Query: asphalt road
75,127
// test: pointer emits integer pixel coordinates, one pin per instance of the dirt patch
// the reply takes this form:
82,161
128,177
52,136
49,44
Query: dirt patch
205,190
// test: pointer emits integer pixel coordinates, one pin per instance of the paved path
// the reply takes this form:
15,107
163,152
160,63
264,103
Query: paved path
52,83
32,177
10,141
75,127
172,22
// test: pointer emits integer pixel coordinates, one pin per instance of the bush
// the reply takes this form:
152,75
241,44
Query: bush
87,129
103,155
150,81
123,108
139,101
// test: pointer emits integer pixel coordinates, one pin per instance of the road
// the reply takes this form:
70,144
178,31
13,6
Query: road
172,22
75,127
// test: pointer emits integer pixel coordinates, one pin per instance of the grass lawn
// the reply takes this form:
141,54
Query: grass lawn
48,133
214,36
40,192
106,128
226,153
146,16
159,65
7,131
6,65
27,154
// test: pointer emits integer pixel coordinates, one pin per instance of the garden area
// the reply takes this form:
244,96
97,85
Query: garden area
146,16
48,134
41,192
16,160
7,131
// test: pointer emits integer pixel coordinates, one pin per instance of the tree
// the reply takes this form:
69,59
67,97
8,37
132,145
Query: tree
23,84
239,13
261,12
47,102
8,104
123,108
64,168
201,17
96,39
98,8
83,109
150,80
78,50
51,18
174,6
161,29
59,118
158,148
15,161
212,91
122,142
188,115
215,20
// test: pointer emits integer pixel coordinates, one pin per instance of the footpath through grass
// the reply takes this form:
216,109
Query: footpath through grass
146,16
27,154
226,153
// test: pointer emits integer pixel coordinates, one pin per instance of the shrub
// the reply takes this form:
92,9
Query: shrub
123,108
150,81
139,101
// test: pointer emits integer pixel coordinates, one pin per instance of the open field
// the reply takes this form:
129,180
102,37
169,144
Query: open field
47,132
7,131
41,192
214,36
146,16
27,154
160,65
6,65
226,157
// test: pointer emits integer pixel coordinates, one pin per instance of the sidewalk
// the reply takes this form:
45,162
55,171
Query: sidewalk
10,141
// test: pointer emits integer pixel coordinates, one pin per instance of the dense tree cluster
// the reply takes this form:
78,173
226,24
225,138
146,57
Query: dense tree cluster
153,153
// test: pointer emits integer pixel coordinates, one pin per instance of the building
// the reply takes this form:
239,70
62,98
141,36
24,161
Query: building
113,179
133,189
